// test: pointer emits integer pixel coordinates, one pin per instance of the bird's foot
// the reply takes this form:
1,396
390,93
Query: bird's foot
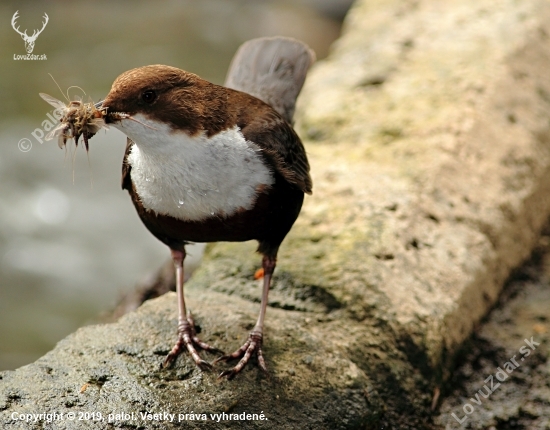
252,346
187,339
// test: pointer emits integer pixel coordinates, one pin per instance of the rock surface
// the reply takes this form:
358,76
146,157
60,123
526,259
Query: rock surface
517,329
428,132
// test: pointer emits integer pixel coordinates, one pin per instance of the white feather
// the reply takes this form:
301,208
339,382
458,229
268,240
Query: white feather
193,177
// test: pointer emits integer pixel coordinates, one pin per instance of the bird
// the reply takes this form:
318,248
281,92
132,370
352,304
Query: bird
212,163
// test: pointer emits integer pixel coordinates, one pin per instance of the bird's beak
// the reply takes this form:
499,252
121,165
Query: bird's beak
111,117
107,118
98,106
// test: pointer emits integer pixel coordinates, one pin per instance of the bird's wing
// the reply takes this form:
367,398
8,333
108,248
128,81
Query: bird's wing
281,147
272,69
126,181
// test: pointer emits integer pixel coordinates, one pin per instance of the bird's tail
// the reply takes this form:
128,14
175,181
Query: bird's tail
272,69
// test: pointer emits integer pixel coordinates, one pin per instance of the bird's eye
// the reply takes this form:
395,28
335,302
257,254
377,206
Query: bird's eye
149,96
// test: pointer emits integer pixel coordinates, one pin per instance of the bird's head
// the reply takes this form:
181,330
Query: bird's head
160,96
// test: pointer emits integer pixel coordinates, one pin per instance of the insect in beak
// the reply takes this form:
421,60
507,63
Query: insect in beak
78,119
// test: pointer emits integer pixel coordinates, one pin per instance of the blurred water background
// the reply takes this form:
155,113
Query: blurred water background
70,240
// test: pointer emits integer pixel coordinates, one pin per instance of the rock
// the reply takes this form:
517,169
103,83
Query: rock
112,371
431,162
428,132
517,329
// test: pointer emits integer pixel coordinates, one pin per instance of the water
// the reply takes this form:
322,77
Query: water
70,240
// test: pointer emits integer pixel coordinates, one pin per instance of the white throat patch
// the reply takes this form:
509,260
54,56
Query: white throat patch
193,178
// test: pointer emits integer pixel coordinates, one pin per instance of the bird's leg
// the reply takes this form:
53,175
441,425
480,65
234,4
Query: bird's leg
187,337
254,342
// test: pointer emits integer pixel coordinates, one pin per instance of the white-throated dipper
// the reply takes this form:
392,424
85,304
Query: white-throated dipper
207,163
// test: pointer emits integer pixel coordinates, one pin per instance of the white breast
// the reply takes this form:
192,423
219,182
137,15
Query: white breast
192,178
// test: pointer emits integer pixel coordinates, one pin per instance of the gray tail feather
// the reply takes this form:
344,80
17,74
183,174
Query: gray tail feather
272,69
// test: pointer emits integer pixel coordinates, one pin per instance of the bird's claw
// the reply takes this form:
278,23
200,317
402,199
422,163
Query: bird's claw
187,339
252,346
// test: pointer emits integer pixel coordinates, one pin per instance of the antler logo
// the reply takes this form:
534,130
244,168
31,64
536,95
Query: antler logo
29,40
